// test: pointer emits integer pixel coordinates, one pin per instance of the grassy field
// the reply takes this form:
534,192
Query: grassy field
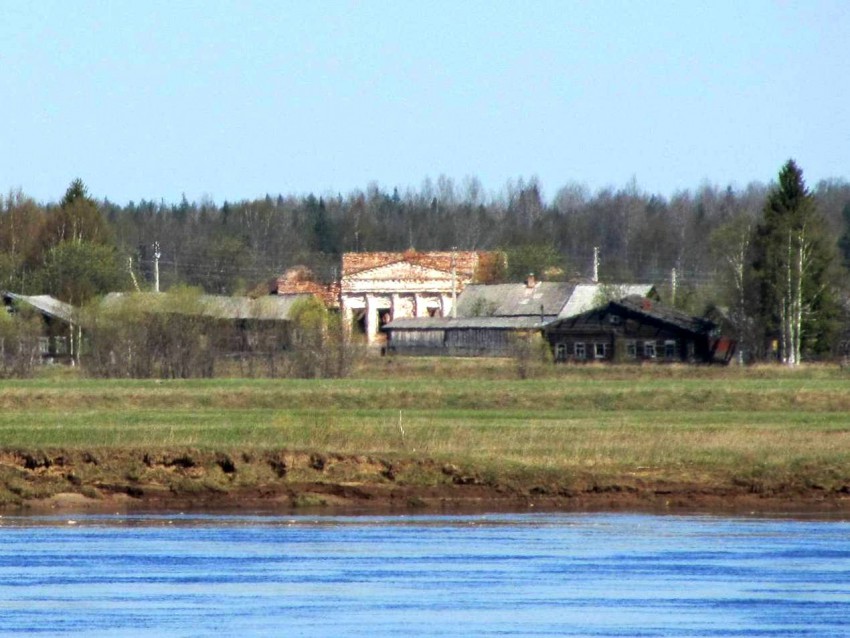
763,429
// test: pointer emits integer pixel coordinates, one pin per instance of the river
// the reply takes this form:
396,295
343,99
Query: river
494,575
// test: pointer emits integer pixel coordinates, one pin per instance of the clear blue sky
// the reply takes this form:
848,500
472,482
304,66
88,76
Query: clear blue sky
232,100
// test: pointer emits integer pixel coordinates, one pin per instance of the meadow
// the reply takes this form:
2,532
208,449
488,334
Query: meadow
765,430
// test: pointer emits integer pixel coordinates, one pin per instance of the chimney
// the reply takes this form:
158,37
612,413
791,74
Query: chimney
530,281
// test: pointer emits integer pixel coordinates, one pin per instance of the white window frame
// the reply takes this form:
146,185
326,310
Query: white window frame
561,352
649,350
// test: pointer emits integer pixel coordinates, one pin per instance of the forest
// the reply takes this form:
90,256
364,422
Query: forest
717,240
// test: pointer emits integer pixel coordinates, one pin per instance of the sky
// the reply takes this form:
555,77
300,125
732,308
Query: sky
233,100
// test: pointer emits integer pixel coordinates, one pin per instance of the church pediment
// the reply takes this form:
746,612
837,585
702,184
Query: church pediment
400,271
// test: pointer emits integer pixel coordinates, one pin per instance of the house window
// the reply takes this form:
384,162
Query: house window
649,349
61,344
44,345
600,350
631,349
670,349
580,351
561,352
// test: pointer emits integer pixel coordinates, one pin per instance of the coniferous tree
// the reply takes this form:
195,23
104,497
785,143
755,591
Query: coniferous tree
844,241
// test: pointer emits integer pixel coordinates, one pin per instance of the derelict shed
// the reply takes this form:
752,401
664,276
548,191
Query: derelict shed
633,329
231,324
250,325
464,337
60,337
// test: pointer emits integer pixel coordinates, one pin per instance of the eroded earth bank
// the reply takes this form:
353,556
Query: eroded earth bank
283,481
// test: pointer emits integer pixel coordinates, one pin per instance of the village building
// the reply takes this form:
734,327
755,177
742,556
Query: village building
494,319
60,336
379,287
462,337
637,329
235,325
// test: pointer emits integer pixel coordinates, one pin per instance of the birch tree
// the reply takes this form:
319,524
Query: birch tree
792,264
730,247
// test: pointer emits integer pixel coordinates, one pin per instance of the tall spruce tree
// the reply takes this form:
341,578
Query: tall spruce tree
792,259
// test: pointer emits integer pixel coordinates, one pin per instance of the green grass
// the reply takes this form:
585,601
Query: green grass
701,425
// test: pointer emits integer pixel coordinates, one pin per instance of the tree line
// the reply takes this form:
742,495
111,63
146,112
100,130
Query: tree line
722,243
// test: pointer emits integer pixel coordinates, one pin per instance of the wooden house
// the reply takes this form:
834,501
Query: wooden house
60,335
637,329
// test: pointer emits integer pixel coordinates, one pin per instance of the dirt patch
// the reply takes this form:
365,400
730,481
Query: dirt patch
287,480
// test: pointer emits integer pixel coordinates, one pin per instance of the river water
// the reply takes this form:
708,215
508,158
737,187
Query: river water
495,575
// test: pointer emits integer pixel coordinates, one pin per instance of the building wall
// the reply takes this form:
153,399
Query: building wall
463,342
598,336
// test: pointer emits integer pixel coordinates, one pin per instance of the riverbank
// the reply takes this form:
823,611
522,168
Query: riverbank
416,438
105,480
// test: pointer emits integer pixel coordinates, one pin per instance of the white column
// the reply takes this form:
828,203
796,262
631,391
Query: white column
447,305
371,319
347,316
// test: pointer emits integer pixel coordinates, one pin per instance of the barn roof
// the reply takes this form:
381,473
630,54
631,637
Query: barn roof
267,308
46,305
514,300
558,299
468,323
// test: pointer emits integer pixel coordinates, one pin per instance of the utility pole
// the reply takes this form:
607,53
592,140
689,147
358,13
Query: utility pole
454,282
596,264
156,256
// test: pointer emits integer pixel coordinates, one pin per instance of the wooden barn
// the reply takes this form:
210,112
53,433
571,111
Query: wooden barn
465,337
234,325
637,329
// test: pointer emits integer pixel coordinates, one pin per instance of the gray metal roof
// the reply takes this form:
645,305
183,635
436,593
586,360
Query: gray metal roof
589,296
514,300
462,323
46,305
